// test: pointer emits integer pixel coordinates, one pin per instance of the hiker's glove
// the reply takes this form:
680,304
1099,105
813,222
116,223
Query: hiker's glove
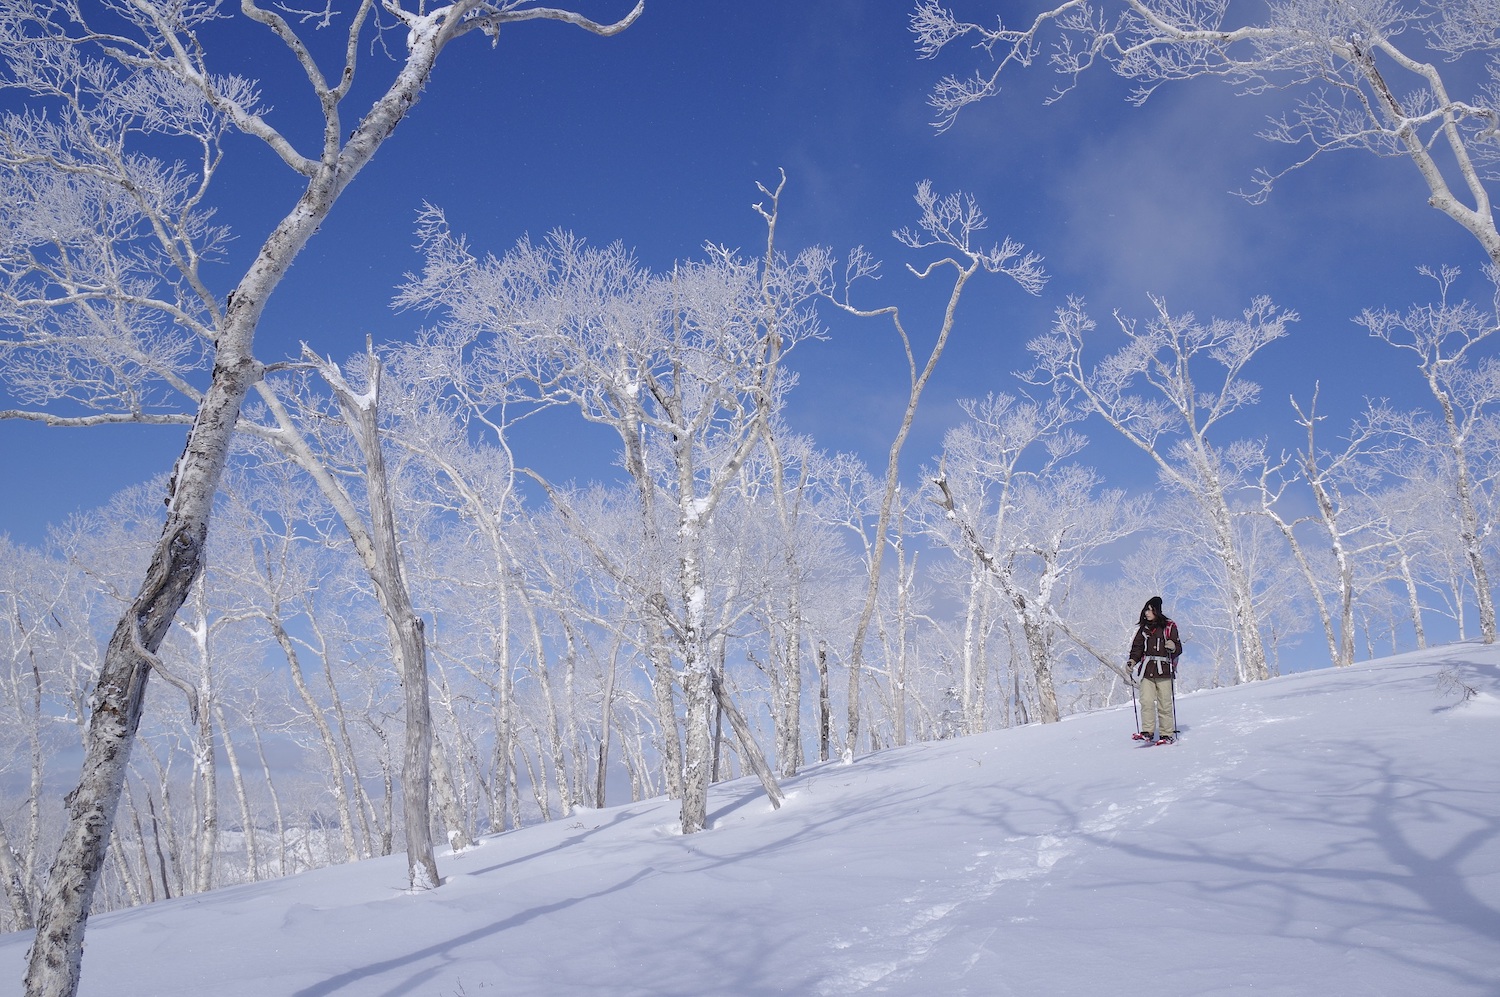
1171,647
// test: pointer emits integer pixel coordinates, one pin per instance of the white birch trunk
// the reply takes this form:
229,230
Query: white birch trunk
205,762
788,709
1471,529
749,749
449,806
278,820
1413,600
505,723
56,955
905,579
789,728
409,640
54,961
206,799
976,628
697,682
242,796
336,784
1253,664
605,724
15,885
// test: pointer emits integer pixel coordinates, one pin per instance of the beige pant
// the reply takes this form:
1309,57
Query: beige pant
1156,707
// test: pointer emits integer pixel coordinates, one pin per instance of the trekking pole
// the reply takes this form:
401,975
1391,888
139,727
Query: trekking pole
1176,720
1135,710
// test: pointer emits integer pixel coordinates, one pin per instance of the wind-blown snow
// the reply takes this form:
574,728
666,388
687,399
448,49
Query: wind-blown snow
1334,832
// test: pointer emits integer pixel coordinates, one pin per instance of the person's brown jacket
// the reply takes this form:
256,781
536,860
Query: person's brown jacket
1150,646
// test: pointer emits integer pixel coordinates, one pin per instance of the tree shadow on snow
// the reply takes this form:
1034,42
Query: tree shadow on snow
1384,847
353,977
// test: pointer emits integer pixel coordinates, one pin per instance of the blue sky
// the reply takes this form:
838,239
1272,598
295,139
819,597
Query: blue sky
658,137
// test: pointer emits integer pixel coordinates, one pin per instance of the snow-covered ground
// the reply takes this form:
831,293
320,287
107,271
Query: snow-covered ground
1330,833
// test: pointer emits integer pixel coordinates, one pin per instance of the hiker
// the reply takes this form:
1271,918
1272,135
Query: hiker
1153,661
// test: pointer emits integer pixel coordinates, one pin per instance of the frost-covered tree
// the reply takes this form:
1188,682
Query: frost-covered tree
32,590
684,367
277,565
950,224
781,615
1402,519
1156,392
374,533
455,460
1031,523
1345,521
979,489
1396,78
793,477
1446,337
108,173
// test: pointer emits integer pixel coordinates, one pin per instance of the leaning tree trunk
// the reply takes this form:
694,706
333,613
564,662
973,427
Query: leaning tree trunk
56,956
749,749
57,953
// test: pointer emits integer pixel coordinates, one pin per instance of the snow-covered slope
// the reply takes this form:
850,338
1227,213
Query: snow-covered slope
1331,833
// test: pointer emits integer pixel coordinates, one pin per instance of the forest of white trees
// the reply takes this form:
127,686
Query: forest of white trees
362,622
